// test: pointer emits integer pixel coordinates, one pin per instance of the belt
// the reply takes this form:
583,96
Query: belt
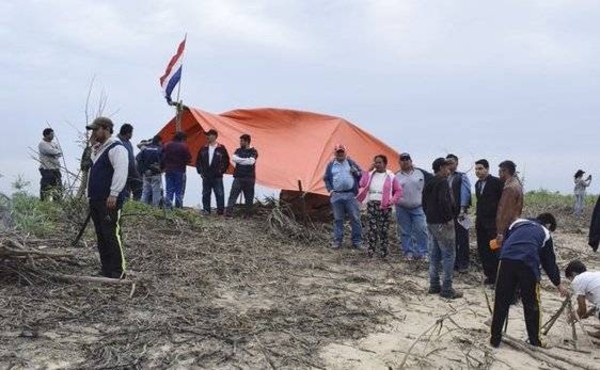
343,191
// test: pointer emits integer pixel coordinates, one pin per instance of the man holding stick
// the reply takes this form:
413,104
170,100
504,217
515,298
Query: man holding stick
528,245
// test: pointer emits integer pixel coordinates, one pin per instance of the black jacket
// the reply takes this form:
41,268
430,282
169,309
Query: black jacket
437,202
245,170
219,164
594,235
487,202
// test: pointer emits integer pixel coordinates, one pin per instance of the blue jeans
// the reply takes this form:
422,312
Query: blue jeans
442,254
344,204
413,230
174,181
152,189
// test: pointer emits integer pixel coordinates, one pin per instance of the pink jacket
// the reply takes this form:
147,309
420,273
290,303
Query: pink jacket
392,190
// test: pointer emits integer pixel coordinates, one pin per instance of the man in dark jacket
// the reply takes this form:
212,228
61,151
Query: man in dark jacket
148,160
488,190
437,205
528,245
211,163
460,190
594,234
244,175
175,157
133,187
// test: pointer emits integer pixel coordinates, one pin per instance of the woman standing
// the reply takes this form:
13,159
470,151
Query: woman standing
580,185
381,190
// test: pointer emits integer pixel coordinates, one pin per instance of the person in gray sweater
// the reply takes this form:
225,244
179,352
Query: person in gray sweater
412,227
49,154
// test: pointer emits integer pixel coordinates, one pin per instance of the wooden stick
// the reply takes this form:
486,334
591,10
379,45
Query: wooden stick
544,355
90,279
548,325
30,252
573,330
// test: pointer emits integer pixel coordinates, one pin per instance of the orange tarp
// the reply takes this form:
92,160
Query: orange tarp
292,145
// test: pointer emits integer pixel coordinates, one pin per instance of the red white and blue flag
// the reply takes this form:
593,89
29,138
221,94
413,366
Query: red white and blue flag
172,75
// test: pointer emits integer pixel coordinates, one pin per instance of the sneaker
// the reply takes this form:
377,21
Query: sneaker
383,254
434,289
370,253
451,294
408,257
335,245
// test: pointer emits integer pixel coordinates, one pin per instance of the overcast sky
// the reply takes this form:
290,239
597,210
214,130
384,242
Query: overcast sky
498,80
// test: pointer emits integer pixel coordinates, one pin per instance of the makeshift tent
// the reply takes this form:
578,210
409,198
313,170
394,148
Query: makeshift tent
294,147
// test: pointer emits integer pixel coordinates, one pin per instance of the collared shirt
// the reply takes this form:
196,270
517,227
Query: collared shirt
342,176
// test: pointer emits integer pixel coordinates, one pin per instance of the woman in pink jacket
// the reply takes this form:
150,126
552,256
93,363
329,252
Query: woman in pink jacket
381,190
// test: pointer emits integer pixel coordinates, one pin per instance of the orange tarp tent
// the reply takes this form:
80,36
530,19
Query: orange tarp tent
292,145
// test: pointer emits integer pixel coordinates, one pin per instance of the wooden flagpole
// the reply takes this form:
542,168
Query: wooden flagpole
179,103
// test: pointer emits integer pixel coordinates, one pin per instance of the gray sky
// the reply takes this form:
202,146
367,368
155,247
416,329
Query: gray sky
481,79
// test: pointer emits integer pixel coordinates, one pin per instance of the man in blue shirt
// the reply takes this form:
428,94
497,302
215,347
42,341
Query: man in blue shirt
341,180
528,245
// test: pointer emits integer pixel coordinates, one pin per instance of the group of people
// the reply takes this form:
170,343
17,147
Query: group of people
115,175
432,211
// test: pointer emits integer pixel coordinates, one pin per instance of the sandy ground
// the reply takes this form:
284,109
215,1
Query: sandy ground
461,342
212,298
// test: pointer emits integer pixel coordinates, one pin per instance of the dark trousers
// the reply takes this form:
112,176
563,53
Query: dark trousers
462,246
513,274
50,184
175,184
107,223
488,257
242,185
134,187
210,184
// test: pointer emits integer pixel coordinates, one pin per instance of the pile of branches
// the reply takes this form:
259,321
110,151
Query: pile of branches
211,292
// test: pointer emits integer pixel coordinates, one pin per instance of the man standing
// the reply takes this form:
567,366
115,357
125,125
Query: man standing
437,204
460,190
488,190
409,210
342,177
528,245
175,157
49,153
133,187
244,175
107,179
211,163
148,160
510,206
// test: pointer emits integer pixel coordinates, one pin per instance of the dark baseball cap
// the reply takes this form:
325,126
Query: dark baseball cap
438,163
103,122
405,156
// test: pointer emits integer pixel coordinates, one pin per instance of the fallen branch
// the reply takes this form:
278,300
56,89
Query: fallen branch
90,279
7,251
551,357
